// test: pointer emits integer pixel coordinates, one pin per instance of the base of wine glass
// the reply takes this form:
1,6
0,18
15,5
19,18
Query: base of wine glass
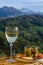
10,60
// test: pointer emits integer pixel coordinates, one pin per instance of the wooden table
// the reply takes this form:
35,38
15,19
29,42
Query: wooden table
3,62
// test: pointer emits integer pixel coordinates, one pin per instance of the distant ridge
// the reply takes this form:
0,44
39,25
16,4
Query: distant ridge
12,12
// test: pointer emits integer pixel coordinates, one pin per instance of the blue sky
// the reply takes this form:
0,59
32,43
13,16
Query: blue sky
35,5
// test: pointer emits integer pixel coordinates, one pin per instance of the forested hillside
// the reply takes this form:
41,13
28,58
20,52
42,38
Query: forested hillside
30,32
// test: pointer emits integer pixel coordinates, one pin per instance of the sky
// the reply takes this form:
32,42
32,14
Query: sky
35,5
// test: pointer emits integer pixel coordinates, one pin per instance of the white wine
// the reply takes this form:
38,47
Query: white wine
11,34
11,37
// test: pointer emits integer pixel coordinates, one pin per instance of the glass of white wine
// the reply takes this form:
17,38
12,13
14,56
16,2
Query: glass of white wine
11,34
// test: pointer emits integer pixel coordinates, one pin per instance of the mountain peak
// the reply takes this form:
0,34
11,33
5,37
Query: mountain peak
26,10
5,7
8,8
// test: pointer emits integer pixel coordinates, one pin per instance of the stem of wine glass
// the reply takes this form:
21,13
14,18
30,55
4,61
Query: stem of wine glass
11,50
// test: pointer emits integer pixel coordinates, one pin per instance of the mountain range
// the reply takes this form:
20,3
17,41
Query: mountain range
12,12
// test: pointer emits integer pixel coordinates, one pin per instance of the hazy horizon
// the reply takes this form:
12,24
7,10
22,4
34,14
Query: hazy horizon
35,5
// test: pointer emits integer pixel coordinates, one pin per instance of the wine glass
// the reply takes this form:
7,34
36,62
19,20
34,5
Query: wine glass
11,34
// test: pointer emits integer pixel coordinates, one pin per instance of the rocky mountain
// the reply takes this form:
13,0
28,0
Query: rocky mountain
26,11
9,12
12,12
